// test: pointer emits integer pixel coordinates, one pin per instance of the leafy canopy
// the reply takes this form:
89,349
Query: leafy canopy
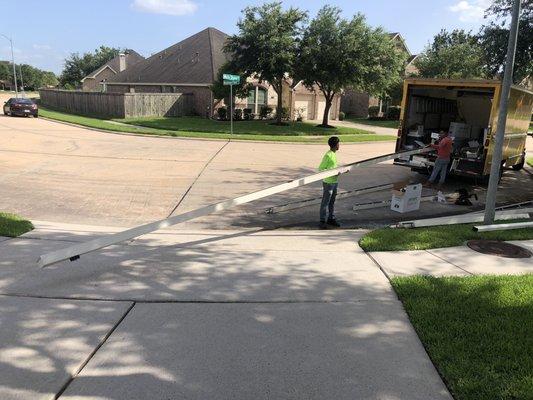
494,36
33,77
452,55
77,67
266,44
336,53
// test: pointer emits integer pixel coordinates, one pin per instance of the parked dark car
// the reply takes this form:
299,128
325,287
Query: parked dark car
21,107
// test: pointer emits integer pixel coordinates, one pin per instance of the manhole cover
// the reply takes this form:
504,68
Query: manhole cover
497,248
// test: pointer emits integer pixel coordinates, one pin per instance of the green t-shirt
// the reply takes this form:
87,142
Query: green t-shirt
329,161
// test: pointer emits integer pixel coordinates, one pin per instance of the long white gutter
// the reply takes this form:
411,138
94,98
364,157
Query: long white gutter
74,252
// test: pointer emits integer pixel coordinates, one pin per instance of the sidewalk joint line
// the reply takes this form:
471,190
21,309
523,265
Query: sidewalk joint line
91,355
449,262
175,301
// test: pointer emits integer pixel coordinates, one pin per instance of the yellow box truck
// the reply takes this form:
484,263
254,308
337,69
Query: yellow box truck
468,109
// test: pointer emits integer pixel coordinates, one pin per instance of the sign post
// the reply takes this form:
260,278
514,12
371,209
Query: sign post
231,80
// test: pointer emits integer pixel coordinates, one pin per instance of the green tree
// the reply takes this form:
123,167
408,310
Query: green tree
221,91
493,40
452,55
77,67
6,71
266,44
335,53
34,78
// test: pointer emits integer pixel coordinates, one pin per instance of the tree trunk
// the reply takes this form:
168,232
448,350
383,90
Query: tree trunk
325,119
280,104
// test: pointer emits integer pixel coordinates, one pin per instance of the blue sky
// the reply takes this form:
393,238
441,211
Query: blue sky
52,29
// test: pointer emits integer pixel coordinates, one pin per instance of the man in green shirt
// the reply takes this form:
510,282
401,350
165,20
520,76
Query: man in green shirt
329,161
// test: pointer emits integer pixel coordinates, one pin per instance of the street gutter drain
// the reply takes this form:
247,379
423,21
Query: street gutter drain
498,248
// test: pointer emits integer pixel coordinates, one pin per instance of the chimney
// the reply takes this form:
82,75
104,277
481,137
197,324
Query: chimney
121,62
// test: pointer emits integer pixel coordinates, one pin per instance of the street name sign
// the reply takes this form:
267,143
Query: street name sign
231,79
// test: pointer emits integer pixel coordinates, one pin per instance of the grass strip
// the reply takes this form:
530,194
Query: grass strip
12,225
476,330
397,239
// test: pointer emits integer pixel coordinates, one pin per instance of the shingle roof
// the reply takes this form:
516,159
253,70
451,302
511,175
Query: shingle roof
132,58
196,59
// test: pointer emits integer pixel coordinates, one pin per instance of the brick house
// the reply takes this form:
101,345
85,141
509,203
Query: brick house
191,66
356,103
92,82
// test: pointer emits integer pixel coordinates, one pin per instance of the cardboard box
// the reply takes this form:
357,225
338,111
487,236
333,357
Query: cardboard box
406,199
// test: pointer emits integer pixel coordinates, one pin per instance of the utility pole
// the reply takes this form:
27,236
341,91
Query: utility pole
21,81
13,62
494,178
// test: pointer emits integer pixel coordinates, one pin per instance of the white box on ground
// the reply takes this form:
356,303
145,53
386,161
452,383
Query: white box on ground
406,199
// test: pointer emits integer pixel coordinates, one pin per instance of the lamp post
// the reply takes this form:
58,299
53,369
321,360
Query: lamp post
13,62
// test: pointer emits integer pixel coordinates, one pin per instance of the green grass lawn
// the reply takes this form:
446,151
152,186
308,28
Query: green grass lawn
396,239
255,127
530,161
477,331
12,225
200,128
369,122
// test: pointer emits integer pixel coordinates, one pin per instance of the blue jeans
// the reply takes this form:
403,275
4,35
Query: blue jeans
328,201
441,166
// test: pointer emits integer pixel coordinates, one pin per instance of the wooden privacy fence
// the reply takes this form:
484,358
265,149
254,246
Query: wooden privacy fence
118,105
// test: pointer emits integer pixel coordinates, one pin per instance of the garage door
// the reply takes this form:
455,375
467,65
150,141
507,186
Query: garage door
321,108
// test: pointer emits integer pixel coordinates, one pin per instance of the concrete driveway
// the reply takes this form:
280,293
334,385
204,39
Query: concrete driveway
56,172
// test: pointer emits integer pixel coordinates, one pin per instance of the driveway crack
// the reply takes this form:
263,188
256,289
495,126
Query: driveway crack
196,179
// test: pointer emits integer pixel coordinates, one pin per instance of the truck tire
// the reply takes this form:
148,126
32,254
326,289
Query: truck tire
520,165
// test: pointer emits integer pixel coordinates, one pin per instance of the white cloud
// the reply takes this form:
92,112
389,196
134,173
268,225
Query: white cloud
169,7
470,10
42,47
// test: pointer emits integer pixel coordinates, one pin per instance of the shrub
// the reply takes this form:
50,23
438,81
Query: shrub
342,116
265,112
248,114
299,113
373,111
237,114
393,112
222,113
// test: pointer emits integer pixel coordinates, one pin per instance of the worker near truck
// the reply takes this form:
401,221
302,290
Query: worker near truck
329,185
444,146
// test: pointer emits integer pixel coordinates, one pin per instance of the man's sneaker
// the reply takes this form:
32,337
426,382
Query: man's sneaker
333,222
322,225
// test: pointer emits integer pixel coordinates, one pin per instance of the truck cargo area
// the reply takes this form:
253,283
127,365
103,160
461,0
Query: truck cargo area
464,112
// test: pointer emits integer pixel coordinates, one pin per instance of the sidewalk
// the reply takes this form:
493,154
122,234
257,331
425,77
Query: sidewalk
452,261
206,315
379,130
